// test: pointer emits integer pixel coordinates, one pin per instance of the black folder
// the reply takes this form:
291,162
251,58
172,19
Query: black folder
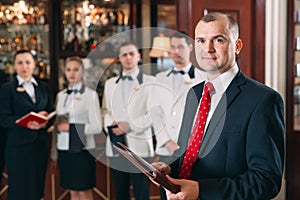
115,139
151,172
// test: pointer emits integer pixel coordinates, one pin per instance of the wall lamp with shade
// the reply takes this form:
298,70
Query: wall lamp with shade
160,48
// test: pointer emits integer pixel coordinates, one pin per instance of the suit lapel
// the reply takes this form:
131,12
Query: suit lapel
37,93
22,93
217,121
190,110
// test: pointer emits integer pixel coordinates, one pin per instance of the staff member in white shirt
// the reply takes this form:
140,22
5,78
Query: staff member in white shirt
170,94
80,106
125,106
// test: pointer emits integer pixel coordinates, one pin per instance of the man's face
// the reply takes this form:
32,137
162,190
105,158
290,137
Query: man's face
180,51
129,57
215,46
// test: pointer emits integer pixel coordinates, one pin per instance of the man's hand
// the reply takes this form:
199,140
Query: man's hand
162,167
189,190
123,128
171,146
35,125
63,127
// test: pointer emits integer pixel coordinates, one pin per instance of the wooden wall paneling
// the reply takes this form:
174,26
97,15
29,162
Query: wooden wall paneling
258,49
290,57
184,15
292,136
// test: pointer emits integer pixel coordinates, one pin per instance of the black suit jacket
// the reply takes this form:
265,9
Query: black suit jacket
242,153
15,103
2,133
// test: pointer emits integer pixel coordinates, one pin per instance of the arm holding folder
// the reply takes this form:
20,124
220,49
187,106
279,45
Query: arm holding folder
150,171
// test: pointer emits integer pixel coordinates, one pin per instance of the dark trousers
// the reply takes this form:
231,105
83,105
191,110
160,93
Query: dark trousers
26,168
2,152
168,160
122,179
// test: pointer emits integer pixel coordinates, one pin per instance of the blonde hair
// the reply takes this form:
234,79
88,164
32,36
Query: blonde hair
74,58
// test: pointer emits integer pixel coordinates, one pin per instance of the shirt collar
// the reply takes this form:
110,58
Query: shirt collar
133,74
185,69
21,81
222,82
77,86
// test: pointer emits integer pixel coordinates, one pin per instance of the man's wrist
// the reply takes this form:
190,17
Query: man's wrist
167,142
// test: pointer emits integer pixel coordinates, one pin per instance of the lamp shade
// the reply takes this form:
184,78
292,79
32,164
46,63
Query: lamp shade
160,47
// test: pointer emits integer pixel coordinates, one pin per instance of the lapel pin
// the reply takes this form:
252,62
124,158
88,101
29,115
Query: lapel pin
20,89
187,82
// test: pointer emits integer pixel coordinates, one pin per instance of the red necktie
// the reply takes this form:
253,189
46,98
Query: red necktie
197,133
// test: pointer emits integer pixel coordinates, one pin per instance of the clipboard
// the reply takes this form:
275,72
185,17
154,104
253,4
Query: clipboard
151,172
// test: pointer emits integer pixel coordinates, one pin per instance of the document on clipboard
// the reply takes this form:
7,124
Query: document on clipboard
151,172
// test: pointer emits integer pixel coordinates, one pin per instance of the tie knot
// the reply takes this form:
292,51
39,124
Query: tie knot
69,91
127,77
209,87
178,72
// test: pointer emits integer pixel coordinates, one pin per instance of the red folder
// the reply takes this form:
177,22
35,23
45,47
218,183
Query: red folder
33,116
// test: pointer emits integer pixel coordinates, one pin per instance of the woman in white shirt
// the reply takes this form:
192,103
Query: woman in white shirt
78,120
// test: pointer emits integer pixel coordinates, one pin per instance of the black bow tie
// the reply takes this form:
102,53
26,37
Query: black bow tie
69,91
127,77
178,72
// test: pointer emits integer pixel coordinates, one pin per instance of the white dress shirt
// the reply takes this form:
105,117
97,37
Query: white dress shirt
127,84
28,86
178,78
220,84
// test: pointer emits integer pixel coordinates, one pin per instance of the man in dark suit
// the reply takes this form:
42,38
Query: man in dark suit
2,133
241,153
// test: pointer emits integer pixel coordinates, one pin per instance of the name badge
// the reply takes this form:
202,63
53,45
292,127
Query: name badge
187,82
20,89
135,89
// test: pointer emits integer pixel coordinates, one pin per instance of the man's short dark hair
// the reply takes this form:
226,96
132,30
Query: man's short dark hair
182,34
21,52
233,25
127,44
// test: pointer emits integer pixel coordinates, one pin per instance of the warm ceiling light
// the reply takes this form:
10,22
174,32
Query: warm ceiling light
160,47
